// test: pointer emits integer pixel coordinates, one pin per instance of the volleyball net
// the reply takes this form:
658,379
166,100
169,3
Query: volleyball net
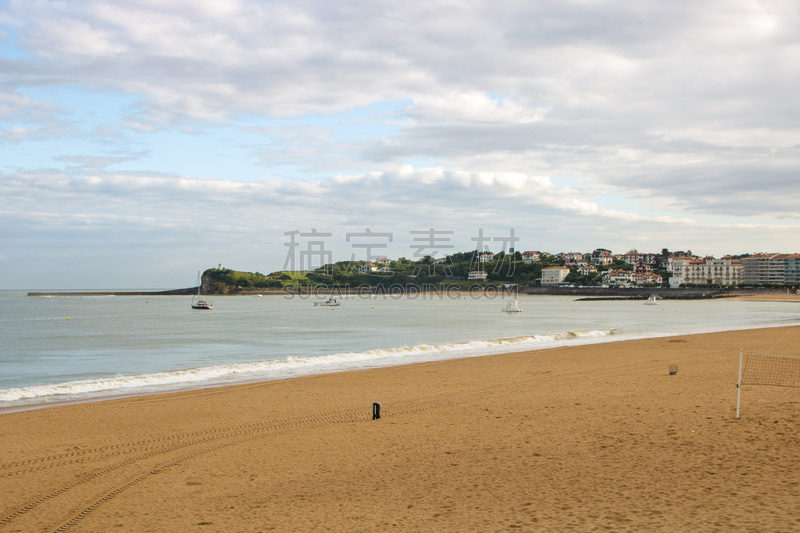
766,369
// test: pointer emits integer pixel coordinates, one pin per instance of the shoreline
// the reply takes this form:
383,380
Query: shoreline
586,437
587,293
189,387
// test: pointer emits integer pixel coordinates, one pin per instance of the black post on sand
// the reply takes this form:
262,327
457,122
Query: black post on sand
376,410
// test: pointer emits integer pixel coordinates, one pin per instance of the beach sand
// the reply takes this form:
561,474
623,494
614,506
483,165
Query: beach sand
581,438
789,297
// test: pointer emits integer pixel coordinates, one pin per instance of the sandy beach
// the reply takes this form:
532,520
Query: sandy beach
582,438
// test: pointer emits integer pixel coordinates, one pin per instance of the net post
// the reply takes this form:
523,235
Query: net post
739,385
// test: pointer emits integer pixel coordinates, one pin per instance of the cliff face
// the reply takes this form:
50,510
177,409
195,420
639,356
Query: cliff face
209,285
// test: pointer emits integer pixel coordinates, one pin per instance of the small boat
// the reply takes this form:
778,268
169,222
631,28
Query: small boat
512,307
651,300
200,303
330,302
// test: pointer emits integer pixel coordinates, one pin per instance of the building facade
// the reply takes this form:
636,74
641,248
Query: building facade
479,275
635,258
554,275
771,269
630,278
688,270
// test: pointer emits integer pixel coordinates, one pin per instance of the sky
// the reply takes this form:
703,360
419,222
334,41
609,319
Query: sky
143,141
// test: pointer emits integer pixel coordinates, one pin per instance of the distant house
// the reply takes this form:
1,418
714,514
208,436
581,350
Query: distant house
647,278
602,257
571,257
587,270
486,258
383,261
367,268
530,257
372,267
477,275
619,278
554,275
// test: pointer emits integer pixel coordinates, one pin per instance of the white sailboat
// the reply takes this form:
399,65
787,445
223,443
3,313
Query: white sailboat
512,307
200,303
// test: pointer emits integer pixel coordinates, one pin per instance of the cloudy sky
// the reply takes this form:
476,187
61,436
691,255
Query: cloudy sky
144,140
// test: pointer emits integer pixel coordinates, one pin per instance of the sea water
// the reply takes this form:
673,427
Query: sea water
79,348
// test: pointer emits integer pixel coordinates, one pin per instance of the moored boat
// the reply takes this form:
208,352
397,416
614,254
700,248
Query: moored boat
200,303
330,302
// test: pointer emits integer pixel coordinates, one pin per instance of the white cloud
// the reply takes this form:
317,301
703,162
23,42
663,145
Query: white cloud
394,197
473,107
15,134
14,106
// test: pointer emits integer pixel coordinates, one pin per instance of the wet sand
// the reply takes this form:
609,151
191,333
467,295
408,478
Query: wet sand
789,297
581,438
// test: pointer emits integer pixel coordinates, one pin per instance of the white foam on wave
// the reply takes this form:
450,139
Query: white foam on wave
278,369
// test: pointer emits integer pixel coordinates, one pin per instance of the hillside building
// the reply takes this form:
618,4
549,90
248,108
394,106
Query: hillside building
630,278
602,257
479,275
554,275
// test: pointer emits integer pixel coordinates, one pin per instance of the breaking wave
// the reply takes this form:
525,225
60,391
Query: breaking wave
279,369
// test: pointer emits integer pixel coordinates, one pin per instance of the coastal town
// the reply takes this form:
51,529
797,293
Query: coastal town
601,267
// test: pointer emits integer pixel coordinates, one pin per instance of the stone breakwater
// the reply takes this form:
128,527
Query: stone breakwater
172,292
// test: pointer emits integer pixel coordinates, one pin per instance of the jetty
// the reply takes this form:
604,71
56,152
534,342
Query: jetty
171,292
